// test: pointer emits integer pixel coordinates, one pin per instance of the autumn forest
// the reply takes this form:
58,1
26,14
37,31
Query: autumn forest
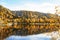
26,22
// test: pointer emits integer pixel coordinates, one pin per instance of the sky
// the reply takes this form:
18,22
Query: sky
31,5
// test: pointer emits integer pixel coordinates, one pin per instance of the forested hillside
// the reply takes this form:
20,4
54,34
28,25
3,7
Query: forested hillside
37,17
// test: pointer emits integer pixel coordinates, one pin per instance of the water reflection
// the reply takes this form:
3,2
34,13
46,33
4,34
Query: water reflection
44,36
31,37
24,30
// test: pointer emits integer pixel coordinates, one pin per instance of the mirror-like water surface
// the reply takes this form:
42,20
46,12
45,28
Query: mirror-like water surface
44,36
32,37
25,30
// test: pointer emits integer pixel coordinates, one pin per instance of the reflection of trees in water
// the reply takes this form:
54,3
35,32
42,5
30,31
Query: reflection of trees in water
24,29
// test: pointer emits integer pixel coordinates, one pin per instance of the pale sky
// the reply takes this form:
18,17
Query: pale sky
31,5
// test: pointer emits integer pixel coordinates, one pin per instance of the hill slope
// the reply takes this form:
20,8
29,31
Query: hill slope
37,17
